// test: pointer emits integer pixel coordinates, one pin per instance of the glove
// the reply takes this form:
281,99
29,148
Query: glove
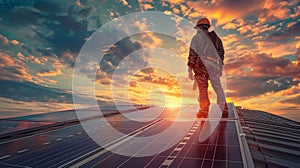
191,74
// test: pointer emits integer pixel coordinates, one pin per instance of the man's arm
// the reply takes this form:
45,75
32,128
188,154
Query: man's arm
220,49
218,44
192,54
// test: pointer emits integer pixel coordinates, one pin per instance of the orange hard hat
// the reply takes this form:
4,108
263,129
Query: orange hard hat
203,21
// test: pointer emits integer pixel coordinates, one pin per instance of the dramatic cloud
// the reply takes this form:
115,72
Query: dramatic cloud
49,73
57,70
294,100
262,65
158,80
40,41
225,11
282,36
15,42
245,87
3,40
274,10
13,69
282,102
174,2
29,92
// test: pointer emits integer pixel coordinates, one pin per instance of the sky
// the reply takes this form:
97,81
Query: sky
40,41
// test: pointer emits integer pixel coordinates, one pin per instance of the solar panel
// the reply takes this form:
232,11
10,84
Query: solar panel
221,149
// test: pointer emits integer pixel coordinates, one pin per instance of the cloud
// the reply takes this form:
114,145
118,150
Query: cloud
147,70
68,57
3,40
13,68
245,87
236,47
174,2
296,12
283,36
230,39
6,60
261,65
125,3
277,86
225,11
254,29
118,53
57,70
45,81
274,10
141,25
230,25
294,100
290,108
161,80
78,3
153,40
257,74
49,73
103,78
260,39
21,56
275,49
274,101
176,11
30,92
32,59
15,42
133,84
145,7
15,74
37,60
52,28
23,16
291,24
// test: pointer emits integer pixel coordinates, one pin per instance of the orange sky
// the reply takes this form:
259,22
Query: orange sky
40,45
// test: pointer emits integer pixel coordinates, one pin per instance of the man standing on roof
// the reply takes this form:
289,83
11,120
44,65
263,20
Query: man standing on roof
206,60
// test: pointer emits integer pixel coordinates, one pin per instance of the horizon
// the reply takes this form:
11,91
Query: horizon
40,43
293,118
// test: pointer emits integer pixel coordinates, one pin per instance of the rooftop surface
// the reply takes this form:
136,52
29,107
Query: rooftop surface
274,141
64,142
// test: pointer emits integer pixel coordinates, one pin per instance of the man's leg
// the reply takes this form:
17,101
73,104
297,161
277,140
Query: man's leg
202,82
221,100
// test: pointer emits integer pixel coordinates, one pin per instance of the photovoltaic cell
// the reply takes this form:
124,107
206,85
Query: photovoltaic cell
221,149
